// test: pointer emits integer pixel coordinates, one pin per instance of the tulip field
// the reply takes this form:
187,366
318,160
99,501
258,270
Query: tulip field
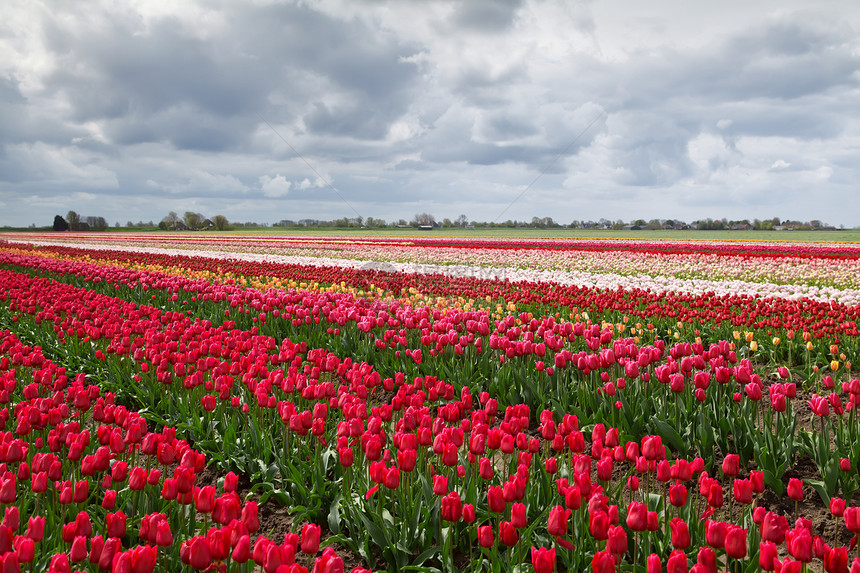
427,404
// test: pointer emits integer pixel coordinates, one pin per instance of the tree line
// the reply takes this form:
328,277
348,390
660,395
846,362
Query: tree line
193,221
74,222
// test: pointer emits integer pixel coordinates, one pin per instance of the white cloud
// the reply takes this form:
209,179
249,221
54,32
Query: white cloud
276,186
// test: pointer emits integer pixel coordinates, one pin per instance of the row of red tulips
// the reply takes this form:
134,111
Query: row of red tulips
448,419
545,341
718,315
86,471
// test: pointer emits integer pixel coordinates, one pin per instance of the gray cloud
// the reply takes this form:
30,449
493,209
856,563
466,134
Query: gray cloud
435,105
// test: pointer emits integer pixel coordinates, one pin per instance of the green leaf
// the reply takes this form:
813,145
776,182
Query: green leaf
424,556
670,435
821,489
377,534
334,515
773,482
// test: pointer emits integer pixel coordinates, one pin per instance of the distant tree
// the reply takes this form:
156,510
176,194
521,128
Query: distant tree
170,222
423,219
60,224
446,222
462,221
221,223
96,223
74,221
193,220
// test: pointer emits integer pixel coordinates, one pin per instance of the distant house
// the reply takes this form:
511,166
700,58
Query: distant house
425,227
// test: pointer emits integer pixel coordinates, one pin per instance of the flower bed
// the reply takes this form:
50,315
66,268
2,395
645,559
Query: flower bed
431,438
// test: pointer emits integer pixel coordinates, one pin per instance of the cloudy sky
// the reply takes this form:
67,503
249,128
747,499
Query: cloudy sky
497,109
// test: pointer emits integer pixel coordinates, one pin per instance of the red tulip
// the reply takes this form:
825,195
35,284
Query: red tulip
137,478
731,464
799,542
680,533
616,541
392,478
115,524
603,562
757,481
795,489
678,495
204,499
485,536
852,519
242,551
543,560
231,482
653,564
25,548
706,559
837,506
736,542
36,528
495,499
557,524
598,525
715,495
518,515
768,555
836,560
78,552
250,516
328,562
677,562
163,534
469,513
310,539
715,534
451,508
440,485
743,490
637,516
508,533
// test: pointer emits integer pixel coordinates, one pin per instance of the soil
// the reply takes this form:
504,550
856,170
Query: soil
276,520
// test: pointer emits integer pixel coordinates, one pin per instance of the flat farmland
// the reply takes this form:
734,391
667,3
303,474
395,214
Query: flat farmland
450,400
